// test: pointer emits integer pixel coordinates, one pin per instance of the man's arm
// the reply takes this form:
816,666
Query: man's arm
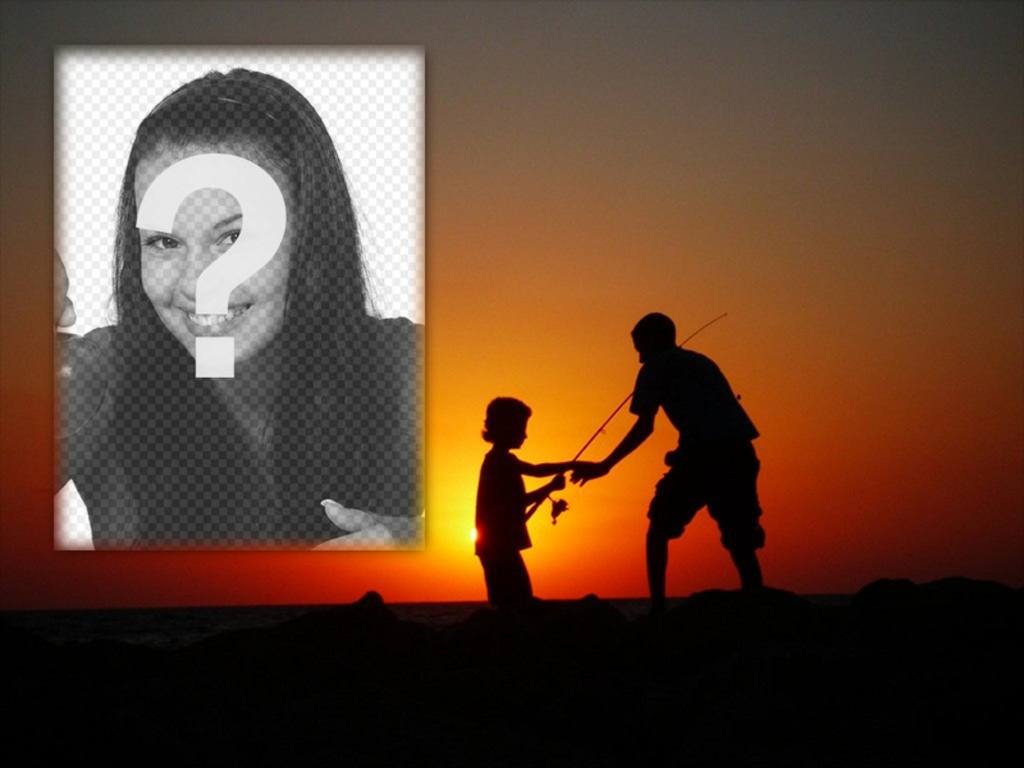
640,431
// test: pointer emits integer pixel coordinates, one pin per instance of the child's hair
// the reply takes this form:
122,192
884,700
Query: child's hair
503,415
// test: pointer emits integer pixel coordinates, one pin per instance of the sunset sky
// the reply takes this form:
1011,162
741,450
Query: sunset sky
845,180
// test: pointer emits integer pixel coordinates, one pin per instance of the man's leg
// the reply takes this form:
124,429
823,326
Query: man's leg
749,568
737,511
657,564
678,496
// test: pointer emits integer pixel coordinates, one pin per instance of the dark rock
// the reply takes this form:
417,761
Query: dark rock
915,674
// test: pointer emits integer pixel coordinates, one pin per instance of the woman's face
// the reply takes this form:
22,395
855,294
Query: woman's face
207,223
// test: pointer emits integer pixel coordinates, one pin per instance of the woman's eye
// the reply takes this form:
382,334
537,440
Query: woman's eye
162,242
229,238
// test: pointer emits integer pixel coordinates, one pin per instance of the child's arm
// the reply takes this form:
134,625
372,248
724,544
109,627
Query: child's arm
542,493
543,470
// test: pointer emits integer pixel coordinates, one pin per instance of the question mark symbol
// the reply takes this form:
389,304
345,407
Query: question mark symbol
264,212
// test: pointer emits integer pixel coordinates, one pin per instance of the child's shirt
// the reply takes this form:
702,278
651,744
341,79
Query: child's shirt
501,506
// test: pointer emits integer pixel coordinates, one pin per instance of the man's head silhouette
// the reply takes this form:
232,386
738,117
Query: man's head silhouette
653,334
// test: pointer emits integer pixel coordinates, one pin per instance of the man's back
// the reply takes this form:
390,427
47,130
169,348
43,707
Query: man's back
696,397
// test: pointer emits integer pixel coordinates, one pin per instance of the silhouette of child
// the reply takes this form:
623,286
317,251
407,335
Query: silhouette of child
502,500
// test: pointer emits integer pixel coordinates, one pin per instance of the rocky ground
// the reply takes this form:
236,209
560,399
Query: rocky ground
907,674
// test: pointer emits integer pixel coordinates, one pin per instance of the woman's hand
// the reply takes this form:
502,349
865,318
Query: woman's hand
361,530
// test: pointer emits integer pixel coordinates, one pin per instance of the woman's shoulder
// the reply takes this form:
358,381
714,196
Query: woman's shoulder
396,330
394,344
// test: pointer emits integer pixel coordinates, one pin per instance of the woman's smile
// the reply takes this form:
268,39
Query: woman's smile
216,325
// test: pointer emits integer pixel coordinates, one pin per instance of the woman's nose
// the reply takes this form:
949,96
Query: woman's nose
196,261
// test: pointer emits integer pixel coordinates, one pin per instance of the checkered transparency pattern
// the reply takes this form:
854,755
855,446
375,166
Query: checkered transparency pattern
233,497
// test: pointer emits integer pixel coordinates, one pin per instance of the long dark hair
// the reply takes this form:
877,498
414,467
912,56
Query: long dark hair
189,471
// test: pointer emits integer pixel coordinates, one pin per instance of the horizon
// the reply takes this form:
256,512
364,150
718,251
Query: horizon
482,602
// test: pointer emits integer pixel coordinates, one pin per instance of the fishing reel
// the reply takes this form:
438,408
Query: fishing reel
558,506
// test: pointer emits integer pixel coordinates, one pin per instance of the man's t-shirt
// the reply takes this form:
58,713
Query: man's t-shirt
501,506
696,397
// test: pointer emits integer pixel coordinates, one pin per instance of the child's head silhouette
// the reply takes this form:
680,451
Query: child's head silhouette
505,423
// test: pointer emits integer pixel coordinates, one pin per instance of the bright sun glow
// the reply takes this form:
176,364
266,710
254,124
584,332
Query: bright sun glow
472,535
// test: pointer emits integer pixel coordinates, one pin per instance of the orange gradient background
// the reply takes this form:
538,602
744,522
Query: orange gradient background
844,180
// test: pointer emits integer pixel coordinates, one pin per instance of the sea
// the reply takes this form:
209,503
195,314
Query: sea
177,627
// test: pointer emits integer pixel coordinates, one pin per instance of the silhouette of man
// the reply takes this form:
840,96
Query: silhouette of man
714,465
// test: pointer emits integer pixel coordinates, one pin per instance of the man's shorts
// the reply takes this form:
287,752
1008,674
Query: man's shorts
722,478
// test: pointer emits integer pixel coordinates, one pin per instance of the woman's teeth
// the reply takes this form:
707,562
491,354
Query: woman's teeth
209,321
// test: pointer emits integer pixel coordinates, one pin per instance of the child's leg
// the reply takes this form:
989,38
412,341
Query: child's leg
491,579
508,582
520,587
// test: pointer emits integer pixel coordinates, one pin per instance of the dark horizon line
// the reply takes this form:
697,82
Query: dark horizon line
822,596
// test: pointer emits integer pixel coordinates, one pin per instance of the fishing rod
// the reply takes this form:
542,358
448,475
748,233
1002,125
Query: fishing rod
560,506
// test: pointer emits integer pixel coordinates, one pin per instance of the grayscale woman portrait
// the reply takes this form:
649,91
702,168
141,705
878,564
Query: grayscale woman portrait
313,439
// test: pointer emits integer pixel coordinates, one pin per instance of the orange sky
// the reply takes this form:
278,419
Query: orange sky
844,180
